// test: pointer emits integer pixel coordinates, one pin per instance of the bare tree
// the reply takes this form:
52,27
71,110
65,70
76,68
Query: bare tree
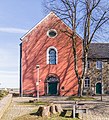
86,17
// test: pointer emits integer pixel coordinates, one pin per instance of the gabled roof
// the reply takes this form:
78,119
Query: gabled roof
35,26
99,51
51,13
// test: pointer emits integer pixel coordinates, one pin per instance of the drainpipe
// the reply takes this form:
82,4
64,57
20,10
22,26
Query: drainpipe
21,82
37,82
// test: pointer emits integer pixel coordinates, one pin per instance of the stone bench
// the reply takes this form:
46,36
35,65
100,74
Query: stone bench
75,110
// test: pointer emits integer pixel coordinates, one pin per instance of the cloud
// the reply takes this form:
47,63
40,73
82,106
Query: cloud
12,30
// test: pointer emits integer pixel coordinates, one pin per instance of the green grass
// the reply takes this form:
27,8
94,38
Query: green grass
3,93
34,103
32,116
75,98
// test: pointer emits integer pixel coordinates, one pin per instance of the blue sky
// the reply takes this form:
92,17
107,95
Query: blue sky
16,17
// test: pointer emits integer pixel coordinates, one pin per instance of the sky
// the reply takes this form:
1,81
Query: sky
16,18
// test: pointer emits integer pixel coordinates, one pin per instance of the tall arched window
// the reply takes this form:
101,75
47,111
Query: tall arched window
52,55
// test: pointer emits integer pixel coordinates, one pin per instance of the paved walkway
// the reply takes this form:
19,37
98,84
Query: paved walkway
97,112
16,109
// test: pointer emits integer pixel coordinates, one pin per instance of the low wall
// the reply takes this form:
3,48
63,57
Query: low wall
4,104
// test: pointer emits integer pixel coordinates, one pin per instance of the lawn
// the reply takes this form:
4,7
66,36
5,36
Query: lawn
34,103
33,116
83,98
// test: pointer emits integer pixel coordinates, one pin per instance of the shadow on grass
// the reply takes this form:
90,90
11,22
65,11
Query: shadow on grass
65,114
69,115
35,114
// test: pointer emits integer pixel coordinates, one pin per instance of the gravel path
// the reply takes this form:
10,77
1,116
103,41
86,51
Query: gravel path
16,109
97,112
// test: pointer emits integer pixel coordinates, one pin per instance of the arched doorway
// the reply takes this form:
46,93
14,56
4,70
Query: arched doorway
98,88
52,85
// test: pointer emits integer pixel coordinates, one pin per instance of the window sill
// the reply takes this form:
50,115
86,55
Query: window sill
99,68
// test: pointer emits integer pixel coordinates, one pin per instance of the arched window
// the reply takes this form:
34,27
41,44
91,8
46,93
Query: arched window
52,55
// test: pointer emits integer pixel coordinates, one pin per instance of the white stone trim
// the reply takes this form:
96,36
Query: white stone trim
47,88
47,54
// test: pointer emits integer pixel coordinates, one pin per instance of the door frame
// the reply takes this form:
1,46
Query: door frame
48,89
96,88
47,83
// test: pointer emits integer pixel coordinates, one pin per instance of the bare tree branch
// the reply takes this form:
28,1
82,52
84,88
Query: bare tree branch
85,16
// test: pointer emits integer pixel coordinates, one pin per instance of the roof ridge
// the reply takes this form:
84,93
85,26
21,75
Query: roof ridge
43,20
36,25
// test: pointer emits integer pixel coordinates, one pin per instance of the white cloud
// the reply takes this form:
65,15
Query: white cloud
12,30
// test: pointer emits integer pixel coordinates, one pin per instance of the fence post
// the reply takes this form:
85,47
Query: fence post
74,111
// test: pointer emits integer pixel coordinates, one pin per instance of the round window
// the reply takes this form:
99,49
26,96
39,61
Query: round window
52,33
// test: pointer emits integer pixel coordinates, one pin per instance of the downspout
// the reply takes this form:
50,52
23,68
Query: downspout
21,83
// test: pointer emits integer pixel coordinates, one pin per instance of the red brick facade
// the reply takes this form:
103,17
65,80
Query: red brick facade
34,52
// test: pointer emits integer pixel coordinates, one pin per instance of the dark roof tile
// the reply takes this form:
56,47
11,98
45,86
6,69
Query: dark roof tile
99,51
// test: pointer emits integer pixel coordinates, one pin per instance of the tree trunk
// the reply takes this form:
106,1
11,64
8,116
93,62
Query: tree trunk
52,109
43,111
80,87
58,108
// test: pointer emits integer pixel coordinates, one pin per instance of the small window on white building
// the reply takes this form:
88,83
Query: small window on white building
99,64
87,82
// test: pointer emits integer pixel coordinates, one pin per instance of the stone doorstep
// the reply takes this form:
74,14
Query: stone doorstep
4,104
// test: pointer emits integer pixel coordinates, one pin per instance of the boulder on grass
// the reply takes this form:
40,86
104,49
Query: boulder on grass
52,109
58,108
43,111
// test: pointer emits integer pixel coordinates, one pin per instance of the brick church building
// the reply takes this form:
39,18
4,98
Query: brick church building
46,59
47,63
